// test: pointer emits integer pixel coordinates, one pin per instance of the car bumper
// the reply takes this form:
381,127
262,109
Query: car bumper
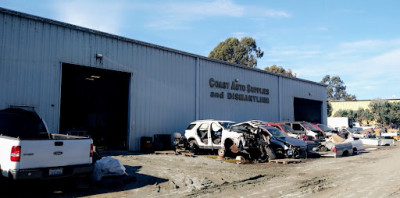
43,173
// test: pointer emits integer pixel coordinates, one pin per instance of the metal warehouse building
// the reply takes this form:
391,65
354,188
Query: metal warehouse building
119,89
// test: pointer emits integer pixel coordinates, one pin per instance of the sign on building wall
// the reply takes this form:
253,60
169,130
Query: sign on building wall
236,91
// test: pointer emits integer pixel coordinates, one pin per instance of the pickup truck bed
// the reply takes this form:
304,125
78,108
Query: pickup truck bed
57,157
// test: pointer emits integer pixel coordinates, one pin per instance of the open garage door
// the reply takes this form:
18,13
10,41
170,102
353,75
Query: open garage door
95,102
307,110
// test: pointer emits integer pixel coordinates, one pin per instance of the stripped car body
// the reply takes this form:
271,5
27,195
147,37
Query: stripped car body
306,128
352,133
282,145
327,130
211,134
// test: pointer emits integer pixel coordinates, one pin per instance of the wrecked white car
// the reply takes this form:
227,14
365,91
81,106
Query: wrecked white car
213,135
220,135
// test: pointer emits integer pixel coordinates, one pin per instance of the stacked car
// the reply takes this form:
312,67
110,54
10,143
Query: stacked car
262,141
253,139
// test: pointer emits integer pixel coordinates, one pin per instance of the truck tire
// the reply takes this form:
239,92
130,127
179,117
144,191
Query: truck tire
194,148
270,153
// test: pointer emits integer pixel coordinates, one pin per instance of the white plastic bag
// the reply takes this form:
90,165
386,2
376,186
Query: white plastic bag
108,167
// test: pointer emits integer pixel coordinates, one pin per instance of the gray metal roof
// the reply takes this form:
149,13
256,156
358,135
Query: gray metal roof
83,29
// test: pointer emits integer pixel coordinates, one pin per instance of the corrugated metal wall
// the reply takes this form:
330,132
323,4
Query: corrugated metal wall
169,88
299,89
236,110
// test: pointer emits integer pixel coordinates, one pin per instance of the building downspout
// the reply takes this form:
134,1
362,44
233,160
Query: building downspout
197,94
280,98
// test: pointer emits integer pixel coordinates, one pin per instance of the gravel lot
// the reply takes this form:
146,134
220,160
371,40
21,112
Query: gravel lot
370,174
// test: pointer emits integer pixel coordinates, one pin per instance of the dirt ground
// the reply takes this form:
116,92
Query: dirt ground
370,174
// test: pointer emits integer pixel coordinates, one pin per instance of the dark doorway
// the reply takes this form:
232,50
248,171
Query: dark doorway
95,102
307,110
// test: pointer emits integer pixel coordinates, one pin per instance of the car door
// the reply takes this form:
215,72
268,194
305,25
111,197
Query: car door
203,132
215,135
298,129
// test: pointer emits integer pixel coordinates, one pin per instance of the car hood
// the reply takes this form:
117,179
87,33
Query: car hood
293,141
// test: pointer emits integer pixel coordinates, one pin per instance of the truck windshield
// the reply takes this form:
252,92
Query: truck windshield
227,125
277,133
350,130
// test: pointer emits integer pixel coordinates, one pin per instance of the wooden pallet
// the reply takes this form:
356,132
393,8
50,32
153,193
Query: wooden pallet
286,161
188,154
179,151
164,152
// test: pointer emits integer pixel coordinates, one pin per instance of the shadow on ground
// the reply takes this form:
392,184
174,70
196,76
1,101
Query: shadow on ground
75,187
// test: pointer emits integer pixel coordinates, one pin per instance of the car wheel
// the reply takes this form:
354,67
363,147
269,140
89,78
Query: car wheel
270,153
221,152
355,151
228,145
279,153
263,156
194,148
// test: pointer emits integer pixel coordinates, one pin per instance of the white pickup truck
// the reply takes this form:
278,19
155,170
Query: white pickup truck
28,151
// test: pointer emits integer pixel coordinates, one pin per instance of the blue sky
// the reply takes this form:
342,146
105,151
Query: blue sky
358,40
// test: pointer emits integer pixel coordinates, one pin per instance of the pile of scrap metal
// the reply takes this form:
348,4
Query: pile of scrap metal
368,133
375,138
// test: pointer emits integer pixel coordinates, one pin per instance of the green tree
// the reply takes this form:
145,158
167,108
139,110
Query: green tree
280,70
329,108
361,115
336,89
385,113
343,113
243,51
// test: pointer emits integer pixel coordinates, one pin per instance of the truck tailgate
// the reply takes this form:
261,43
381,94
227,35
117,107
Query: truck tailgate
54,153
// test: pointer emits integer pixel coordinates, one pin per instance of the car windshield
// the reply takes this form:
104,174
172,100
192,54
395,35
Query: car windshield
287,129
277,133
308,126
350,130
324,128
227,125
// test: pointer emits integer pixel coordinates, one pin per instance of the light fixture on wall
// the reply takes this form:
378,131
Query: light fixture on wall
99,56
95,76
237,80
